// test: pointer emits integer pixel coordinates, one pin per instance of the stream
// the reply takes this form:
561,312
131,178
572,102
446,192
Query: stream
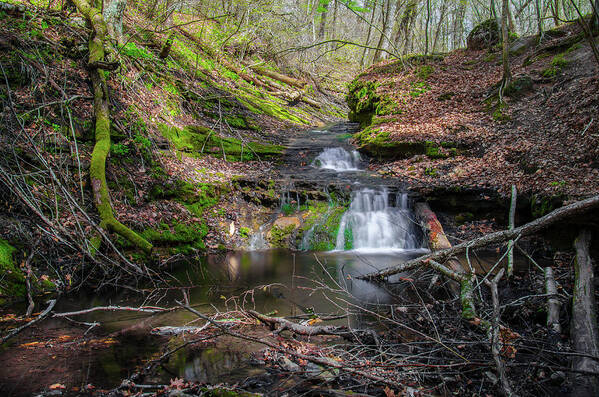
376,230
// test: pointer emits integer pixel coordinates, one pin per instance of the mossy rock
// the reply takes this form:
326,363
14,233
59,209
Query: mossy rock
362,99
178,238
281,237
519,86
379,145
484,35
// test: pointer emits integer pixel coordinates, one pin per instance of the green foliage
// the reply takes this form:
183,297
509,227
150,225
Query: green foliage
119,149
245,232
287,209
418,88
132,50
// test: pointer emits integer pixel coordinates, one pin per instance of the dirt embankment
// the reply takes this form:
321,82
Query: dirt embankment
436,121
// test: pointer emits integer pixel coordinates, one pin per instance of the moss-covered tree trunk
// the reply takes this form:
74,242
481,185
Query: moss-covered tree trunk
102,114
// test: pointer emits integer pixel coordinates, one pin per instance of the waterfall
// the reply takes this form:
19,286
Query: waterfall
338,159
373,223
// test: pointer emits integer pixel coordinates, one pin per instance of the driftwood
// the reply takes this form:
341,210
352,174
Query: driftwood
583,329
553,305
278,325
553,217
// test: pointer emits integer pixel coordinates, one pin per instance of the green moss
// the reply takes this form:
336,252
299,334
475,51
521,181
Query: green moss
542,205
500,112
281,237
362,100
424,72
322,222
244,232
195,197
178,237
194,139
12,279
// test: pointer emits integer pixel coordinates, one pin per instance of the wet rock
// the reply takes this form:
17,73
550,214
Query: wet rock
286,221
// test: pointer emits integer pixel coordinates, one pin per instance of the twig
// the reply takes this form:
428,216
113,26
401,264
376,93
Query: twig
43,315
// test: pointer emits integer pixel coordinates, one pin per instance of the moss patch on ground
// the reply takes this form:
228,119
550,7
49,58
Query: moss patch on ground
12,279
198,140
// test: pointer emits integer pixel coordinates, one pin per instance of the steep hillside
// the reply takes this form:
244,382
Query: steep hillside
436,121
187,120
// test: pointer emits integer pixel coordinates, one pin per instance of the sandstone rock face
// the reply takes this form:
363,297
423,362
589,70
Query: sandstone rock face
485,35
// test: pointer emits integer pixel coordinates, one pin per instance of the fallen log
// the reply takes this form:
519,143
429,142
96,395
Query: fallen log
278,325
278,76
553,217
583,329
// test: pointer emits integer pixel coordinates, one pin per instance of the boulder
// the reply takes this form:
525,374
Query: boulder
485,35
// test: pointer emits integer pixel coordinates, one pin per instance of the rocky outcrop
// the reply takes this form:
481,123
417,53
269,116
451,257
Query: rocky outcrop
485,35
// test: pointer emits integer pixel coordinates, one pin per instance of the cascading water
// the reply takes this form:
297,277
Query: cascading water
372,223
338,159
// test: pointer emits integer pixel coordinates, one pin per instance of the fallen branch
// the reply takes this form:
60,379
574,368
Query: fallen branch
43,315
141,309
279,325
553,217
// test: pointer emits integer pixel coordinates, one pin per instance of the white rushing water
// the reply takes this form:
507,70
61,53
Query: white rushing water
338,159
373,224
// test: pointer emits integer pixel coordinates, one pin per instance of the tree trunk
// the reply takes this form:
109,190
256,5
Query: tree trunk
323,20
367,41
511,225
439,24
113,16
539,19
583,329
388,24
458,25
505,56
97,170
428,17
